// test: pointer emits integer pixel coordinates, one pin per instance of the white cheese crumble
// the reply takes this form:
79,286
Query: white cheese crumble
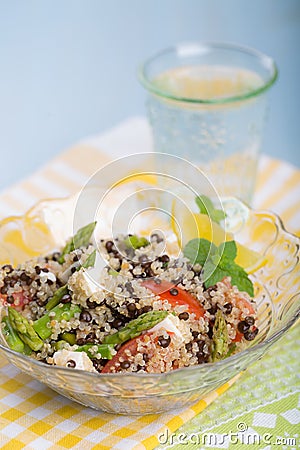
48,276
67,358
170,323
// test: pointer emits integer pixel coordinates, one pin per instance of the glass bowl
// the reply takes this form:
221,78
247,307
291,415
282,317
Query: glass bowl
277,292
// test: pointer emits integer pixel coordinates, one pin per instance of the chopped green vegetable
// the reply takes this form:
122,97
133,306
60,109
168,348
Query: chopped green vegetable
80,239
11,336
136,327
136,242
25,331
89,262
207,207
113,273
63,290
231,350
69,337
61,312
219,338
217,263
105,350
57,296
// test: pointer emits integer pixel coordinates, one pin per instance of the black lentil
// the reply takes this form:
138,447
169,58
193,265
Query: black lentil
143,259
228,308
129,288
117,323
164,259
145,357
146,309
66,298
173,291
243,326
188,346
184,316
250,335
3,290
109,245
164,342
249,320
71,363
85,316
125,364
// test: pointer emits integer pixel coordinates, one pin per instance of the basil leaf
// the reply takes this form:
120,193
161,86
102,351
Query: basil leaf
207,207
228,249
197,250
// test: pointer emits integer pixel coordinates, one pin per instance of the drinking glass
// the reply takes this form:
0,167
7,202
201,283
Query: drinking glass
208,103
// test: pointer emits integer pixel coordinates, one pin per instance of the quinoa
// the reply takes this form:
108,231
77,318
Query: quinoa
185,337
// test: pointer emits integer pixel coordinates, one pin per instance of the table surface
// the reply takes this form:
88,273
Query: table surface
262,408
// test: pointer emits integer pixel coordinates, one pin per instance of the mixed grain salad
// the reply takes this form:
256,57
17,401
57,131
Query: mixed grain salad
149,312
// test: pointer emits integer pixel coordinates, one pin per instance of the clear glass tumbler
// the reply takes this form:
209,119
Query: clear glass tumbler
207,103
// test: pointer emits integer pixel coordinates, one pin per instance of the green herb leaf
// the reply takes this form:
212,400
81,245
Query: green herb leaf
239,276
207,207
198,249
218,263
212,274
228,249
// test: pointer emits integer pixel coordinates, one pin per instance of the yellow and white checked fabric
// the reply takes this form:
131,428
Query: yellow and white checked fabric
32,416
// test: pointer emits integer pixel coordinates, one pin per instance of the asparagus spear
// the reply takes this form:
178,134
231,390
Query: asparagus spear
80,239
57,296
136,327
105,350
220,338
69,337
62,312
11,336
25,331
63,290
89,262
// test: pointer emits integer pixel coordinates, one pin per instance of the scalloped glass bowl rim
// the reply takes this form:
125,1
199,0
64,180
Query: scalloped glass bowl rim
202,367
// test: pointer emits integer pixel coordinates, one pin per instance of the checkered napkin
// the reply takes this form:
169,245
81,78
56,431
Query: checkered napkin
32,416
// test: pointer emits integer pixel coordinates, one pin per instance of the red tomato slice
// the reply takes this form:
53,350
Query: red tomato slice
131,346
242,303
238,337
182,297
20,300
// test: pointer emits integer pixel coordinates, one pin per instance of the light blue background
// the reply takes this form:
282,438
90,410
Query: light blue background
68,67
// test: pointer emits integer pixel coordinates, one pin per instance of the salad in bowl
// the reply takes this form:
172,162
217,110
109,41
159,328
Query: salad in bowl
139,323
